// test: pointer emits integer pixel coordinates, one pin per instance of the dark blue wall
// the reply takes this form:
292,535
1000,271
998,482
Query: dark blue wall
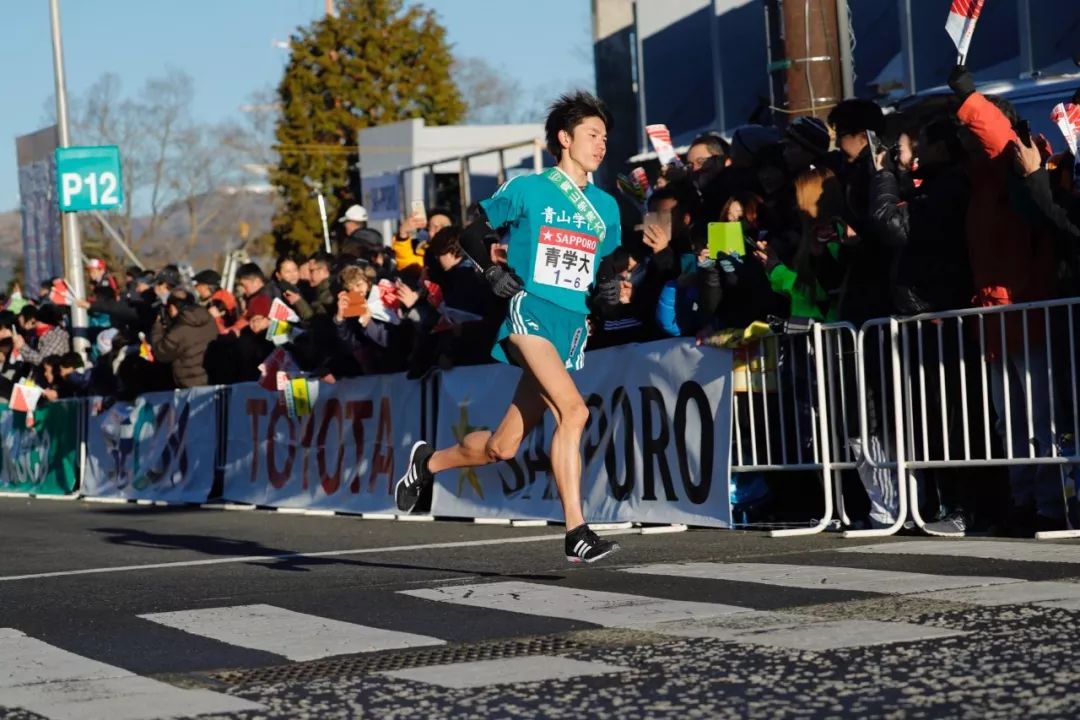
678,74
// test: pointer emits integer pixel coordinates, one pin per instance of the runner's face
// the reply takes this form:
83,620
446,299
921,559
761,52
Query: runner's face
588,144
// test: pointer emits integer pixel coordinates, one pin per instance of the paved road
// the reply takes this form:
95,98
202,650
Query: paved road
147,612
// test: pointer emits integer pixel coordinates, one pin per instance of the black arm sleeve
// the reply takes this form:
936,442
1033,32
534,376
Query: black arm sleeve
890,216
474,242
1041,209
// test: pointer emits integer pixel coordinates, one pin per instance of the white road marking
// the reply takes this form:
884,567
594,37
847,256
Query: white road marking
64,686
664,529
288,556
503,672
816,577
984,549
795,632
294,635
1028,593
607,609
681,618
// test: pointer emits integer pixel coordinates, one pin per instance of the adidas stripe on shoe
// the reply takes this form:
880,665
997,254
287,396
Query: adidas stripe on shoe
585,546
416,480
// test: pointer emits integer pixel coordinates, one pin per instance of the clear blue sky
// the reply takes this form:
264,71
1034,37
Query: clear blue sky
226,47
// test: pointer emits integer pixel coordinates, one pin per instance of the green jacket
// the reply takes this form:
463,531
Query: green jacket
784,280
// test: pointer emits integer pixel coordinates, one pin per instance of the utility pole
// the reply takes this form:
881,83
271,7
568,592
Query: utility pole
73,264
331,11
814,57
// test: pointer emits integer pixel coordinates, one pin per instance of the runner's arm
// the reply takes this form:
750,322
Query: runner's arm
474,242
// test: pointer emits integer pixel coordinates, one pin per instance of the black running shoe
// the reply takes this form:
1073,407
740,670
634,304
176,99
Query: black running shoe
416,479
585,546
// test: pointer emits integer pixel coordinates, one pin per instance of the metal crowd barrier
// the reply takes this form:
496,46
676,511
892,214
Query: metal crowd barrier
782,417
959,368
900,399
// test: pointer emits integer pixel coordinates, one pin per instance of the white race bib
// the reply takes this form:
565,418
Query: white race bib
565,258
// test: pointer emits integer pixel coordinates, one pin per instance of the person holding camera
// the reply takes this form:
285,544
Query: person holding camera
182,338
219,302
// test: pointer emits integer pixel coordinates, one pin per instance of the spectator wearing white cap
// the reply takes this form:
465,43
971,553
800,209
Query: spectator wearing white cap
354,219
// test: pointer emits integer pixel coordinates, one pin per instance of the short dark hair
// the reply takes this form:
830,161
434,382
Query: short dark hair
682,192
432,212
850,117
72,360
322,258
29,312
1007,108
715,144
446,241
180,299
250,270
282,259
567,113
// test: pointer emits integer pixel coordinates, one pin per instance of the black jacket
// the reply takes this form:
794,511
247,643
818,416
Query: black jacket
930,269
864,294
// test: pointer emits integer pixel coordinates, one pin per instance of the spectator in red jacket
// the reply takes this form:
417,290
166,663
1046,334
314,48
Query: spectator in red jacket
1011,262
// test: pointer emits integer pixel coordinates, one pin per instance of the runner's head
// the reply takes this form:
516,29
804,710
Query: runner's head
578,124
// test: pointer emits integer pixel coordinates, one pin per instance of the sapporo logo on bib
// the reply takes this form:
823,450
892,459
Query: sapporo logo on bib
565,258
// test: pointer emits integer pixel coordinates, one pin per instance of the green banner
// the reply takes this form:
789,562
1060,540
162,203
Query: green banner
42,459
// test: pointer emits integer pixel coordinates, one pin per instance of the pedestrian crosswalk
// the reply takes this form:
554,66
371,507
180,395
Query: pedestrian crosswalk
292,635
60,685
56,683
814,577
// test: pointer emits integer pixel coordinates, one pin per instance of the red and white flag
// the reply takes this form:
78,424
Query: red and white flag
641,180
24,397
660,137
961,24
282,312
1067,118
61,294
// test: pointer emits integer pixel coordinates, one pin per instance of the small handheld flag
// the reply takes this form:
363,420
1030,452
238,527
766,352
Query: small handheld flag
961,25
660,137
61,294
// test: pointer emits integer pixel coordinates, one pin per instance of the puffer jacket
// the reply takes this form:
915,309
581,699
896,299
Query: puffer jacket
930,270
184,345
1010,262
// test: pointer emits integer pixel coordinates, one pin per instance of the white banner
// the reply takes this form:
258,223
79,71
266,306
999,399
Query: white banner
656,449
158,448
346,455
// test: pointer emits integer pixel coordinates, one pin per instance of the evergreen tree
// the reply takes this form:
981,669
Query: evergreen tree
376,62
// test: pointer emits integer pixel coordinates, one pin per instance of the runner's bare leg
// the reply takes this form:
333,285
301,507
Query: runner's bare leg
538,357
484,447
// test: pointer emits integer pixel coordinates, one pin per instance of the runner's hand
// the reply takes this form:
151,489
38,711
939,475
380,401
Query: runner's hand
609,290
504,282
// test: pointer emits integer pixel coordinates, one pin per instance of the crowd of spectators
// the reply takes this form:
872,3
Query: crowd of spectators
857,216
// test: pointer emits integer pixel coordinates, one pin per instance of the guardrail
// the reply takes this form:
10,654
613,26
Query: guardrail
893,401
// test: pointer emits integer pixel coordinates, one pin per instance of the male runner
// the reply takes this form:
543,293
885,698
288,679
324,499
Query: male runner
560,226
